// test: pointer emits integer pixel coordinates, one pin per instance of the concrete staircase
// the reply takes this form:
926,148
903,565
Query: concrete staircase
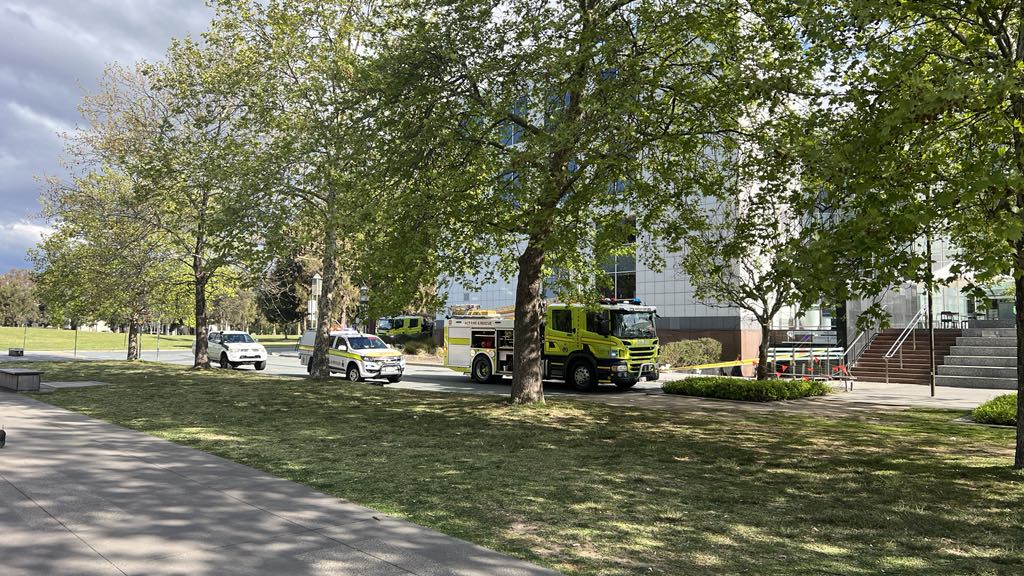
981,358
916,369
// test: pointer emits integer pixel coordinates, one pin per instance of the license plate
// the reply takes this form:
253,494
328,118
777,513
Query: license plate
389,371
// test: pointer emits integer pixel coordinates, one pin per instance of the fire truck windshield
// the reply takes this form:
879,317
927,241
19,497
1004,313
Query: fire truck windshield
633,324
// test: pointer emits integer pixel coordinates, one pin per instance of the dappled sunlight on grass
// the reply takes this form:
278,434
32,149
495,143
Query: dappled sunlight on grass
594,489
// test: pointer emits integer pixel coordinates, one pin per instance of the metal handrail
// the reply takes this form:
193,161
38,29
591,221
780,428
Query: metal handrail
897,346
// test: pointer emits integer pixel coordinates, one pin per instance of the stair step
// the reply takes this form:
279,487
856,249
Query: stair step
977,382
878,377
982,371
991,332
1001,351
980,361
979,341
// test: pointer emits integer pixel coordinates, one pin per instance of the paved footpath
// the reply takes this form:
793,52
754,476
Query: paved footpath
79,496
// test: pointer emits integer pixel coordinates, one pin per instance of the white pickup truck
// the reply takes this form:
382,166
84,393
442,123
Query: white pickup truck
232,349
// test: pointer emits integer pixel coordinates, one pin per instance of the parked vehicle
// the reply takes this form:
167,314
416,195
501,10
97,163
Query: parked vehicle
404,327
232,349
356,355
616,343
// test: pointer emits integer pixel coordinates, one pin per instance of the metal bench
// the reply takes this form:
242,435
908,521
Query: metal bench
20,379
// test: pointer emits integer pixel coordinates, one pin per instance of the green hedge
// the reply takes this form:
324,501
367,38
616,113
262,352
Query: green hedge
421,345
691,352
742,389
999,410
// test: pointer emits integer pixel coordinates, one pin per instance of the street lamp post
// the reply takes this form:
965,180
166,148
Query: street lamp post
314,298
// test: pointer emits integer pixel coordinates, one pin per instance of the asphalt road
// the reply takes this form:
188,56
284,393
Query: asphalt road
416,377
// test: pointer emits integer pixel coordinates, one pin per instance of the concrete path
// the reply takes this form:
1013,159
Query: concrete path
79,496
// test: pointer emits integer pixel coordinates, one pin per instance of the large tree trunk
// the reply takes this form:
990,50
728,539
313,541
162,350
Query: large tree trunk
133,340
762,352
321,367
202,357
1018,283
527,376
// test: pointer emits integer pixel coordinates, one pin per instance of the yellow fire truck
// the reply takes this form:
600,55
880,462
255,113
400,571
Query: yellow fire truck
616,343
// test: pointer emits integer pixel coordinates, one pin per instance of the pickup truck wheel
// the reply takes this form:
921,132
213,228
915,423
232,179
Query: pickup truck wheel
224,363
260,365
582,376
394,379
353,373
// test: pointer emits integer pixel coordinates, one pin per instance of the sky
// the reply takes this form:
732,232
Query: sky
51,52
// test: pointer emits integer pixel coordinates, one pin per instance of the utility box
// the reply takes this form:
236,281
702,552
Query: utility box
20,379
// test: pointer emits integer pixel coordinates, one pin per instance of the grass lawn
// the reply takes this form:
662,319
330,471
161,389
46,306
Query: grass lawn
277,339
49,339
594,489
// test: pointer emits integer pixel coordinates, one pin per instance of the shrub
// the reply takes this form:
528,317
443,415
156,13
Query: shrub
743,389
691,352
421,345
999,410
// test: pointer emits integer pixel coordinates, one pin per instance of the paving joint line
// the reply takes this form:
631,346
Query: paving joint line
64,526
304,529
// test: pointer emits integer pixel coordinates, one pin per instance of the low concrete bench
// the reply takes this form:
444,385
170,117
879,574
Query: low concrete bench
15,351
20,379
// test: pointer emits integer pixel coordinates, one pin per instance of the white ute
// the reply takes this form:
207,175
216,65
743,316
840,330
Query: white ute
358,356
232,349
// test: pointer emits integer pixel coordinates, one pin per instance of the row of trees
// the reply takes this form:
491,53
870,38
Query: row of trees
792,150
19,304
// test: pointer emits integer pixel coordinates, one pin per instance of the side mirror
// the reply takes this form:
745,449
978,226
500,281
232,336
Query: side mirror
342,347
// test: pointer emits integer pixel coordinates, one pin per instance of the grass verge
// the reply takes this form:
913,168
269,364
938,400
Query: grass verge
742,389
592,489
51,339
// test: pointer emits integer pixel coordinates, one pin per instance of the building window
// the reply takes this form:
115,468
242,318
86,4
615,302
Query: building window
622,270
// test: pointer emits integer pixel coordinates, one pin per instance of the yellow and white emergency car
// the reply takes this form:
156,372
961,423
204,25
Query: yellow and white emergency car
356,355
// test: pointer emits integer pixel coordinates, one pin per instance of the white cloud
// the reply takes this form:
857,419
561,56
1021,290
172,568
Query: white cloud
15,240
23,233
29,115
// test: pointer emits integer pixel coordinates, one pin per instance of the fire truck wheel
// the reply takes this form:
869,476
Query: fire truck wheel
482,369
582,376
626,385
